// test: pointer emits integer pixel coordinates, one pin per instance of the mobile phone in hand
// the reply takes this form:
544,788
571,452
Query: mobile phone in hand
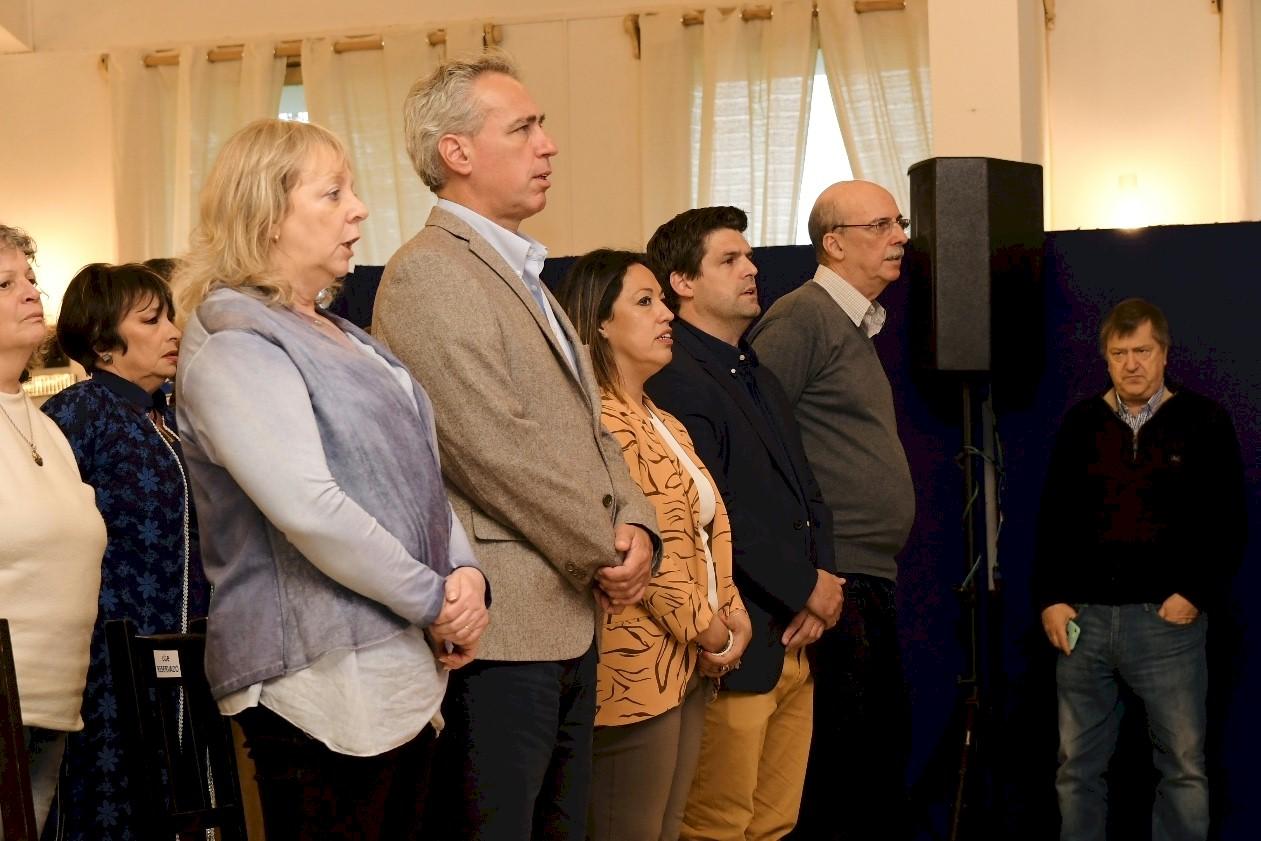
1074,631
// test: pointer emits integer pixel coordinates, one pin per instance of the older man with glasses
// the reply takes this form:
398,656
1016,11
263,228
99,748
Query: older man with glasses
818,341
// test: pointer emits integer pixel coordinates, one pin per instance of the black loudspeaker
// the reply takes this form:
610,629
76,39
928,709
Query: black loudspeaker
976,268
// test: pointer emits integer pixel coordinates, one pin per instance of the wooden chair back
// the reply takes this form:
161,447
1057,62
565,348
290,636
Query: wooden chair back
17,812
178,749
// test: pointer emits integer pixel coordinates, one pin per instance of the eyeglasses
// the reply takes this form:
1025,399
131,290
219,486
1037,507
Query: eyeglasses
881,226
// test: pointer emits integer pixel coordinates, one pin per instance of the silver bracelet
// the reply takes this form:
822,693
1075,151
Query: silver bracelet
731,641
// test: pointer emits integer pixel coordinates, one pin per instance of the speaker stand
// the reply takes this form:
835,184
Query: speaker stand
971,698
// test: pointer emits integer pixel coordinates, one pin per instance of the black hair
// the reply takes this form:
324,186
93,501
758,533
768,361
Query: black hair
96,302
587,293
679,245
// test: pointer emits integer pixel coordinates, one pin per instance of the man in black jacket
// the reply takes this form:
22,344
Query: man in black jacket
1142,523
757,733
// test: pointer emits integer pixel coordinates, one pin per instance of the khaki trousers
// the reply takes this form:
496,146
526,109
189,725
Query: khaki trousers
753,760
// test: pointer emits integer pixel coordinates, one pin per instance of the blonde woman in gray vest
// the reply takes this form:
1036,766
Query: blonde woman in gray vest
345,589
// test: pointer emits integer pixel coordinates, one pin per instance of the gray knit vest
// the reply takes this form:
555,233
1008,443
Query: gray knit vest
272,611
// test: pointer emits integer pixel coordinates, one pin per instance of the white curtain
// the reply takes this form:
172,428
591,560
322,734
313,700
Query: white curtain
584,77
359,97
754,109
877,67
724,108
1241,110
143,109
669,104
168,126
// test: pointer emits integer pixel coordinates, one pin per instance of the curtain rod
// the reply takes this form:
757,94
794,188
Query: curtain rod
491,35
747,13
292,50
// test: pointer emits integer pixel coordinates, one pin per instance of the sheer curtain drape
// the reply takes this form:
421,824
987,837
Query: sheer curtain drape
703,115
742,90
1241,110
359,97
877,67
168,126
754,110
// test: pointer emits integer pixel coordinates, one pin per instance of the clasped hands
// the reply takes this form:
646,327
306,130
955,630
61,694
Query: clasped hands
716,658
454,635
822,611
624,584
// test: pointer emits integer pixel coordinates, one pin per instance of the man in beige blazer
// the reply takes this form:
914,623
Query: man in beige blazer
558,525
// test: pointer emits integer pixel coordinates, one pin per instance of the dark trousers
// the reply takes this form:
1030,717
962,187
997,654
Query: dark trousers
514,761
309,792
856,777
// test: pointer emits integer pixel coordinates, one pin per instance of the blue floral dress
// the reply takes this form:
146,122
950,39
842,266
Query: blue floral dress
141,494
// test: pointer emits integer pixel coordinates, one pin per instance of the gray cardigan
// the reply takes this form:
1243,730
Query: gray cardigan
324,523
844,406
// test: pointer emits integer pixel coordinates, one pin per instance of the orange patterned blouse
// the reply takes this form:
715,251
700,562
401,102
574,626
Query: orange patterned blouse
647,654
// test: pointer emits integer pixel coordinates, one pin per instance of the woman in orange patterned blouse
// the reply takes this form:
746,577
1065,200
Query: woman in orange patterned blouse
691,624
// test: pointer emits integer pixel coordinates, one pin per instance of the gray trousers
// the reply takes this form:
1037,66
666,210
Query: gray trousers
642,772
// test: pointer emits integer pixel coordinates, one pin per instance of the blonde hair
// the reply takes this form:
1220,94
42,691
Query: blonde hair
244,198
443,103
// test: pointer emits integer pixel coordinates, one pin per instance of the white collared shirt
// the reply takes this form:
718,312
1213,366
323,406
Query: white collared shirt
525,256
869,315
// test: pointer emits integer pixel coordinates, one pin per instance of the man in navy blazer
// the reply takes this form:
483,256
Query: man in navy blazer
757,733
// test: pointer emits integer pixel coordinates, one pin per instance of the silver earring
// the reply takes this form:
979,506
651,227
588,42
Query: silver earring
107,357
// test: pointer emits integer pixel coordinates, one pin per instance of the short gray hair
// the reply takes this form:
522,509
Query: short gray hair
442,103
18,240
823,218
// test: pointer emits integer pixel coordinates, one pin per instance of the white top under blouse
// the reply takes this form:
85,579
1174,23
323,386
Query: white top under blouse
708,502
52,539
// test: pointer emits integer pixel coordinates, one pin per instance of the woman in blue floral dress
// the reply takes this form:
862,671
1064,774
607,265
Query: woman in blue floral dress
116,322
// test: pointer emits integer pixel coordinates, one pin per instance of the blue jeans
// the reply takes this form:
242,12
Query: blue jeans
1164,665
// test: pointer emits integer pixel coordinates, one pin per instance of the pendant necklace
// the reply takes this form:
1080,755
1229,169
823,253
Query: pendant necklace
30,442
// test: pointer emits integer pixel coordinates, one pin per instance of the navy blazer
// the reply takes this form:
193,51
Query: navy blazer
780,527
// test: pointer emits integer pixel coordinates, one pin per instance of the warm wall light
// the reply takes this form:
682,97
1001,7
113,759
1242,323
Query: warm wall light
61,254
1129,211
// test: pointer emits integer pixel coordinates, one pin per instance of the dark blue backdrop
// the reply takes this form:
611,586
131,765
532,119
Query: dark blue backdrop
1198,275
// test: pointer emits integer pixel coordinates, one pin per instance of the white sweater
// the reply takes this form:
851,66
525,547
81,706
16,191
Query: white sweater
51,542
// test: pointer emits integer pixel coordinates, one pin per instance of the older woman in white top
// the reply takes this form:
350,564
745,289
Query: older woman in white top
51,537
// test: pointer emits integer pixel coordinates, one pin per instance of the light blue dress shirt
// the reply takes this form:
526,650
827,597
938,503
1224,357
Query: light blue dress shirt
525,256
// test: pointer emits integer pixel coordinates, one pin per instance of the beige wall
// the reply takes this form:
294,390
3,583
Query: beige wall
985,57
56,179
1134,95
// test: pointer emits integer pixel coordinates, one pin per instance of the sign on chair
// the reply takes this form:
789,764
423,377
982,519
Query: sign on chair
166,663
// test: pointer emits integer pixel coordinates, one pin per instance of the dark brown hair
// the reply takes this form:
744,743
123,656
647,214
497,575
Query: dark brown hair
1128,316
96,302
587,293
679,245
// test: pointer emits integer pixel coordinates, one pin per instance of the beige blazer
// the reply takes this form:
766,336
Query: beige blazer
532,475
